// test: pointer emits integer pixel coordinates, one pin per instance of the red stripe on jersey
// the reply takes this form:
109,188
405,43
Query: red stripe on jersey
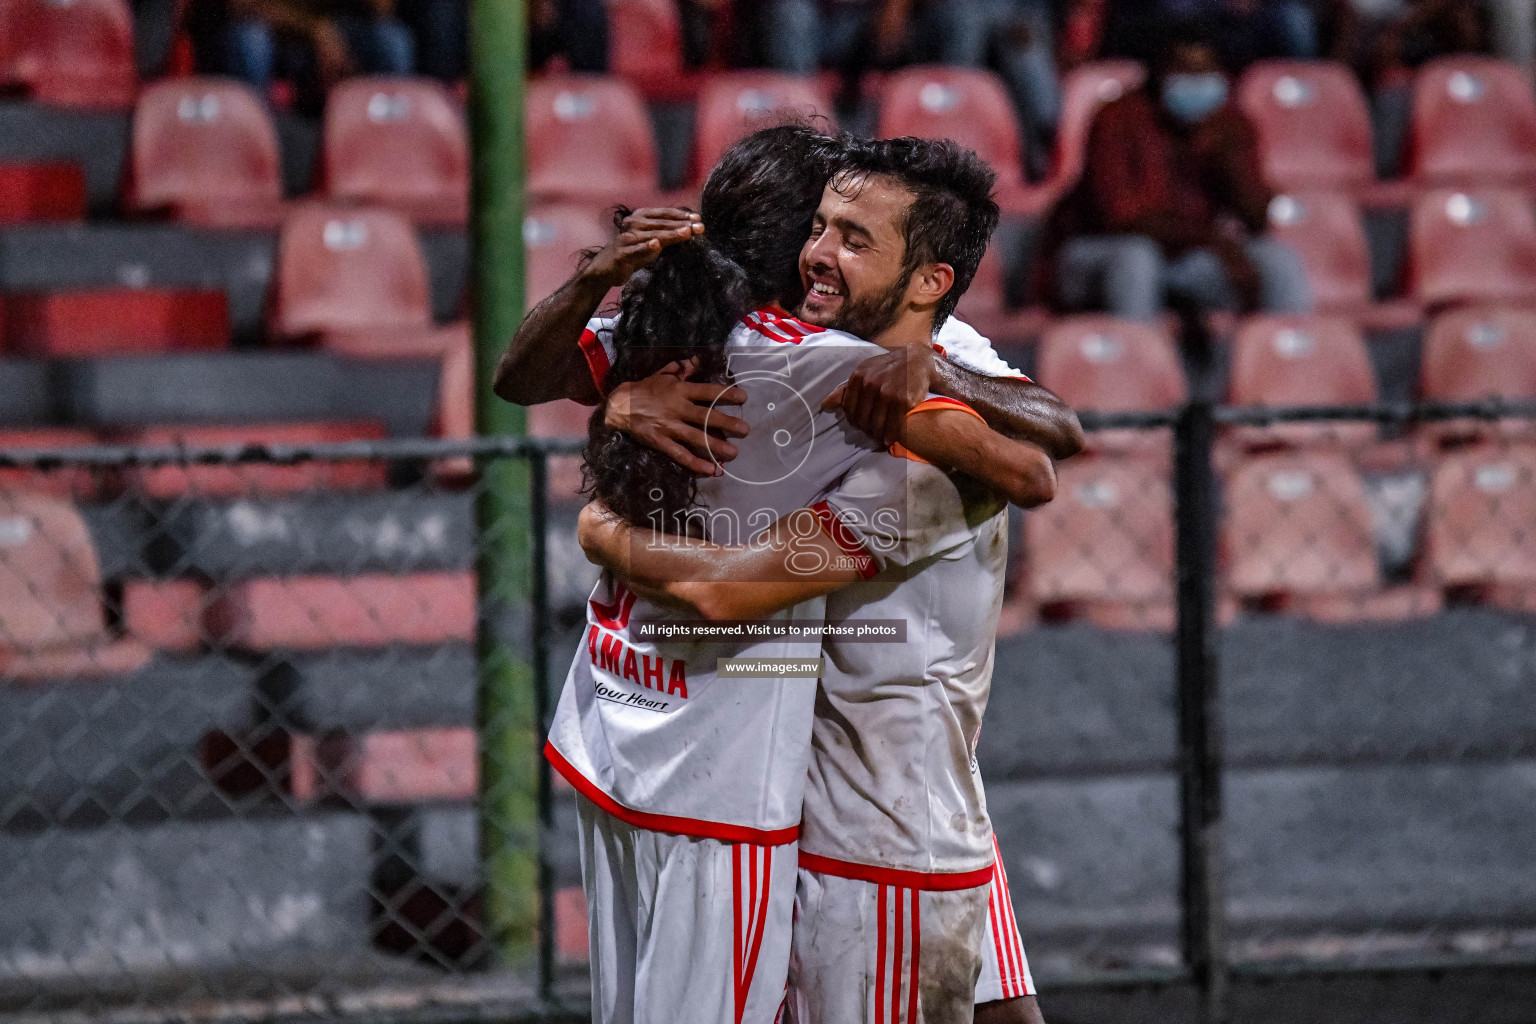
698,828
917,946
927,881
615,615
1005,931
896,979
756,923
880,951
737,945
597,359
845,539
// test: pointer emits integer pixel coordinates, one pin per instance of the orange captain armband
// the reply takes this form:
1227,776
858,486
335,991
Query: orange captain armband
935,403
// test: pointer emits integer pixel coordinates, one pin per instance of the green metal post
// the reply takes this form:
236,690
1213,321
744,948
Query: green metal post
508,730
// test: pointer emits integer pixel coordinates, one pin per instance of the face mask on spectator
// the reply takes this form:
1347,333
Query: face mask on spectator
1191,98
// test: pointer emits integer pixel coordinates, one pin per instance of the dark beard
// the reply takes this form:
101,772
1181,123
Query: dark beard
870,317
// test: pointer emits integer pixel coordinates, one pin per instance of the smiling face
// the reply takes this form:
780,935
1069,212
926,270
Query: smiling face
852,264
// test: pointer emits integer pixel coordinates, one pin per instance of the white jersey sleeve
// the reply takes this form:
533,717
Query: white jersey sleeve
963,345
597,346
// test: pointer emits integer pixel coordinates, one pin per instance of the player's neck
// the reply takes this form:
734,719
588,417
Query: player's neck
913,327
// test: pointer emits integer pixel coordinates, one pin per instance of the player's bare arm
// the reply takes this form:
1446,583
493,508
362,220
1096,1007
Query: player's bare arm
885,387
544,361
1018,471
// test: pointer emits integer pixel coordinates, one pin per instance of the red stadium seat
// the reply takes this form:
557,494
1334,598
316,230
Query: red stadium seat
1107,539
1476,246
78,482
1301,361
1298,525
985,305
387,767
204,150
1472,354
347,270
1473,122
116,321
736,103
1313,124
400,143
589,140
75,53
1326,230
228,481
307,613
41,191
52,623
1478,523
964,104
646,49
1101,364
1084,91
450,346
554,236
165,614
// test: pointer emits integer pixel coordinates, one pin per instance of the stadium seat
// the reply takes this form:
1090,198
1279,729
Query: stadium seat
1301,361
306,613
1475,246
165,614
589,140
1298,524
41,191
1084,91
1478,522
204,150
554,236
985,305
1473,123
736,103
399,143
1313,124
78,482
969,106
646,49
1477,353
256,478
346,270
115,321
52,623
75,53
1101,364
1326,230
1106,541
387,767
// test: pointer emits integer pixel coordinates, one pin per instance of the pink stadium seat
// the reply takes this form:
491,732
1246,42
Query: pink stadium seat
41,191
1102,364
1474,122
589,140
1298,525
52,623
306,613
204,150
1106,541
1301,361
387,767
1473,246
1477,353
1313,123
985,305
1478,525
646,49
1326,230
400,143
1084,91
116,321
166,614
78,482
555,236
229,481
736,103
75,53
347,270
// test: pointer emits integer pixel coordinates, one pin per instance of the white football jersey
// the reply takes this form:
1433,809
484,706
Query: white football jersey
893,795
644,727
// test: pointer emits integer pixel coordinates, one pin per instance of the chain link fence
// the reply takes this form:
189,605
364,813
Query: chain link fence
1263,704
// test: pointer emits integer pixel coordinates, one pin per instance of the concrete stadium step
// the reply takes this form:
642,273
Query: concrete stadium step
84,752
83,905
97,141
26,394
398,532
364,691
1339,852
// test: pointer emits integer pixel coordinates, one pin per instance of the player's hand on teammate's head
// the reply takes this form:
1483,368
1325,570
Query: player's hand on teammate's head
682,419
883,389
642,235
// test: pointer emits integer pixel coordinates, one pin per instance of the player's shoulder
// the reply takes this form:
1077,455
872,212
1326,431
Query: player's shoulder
770,326
964,345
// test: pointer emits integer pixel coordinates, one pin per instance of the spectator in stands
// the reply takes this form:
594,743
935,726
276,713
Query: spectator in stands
441,28
574,30
313,43
1172,204
804,35
1241,31
1020,34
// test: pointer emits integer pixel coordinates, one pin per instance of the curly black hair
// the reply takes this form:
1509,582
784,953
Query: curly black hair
757,209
